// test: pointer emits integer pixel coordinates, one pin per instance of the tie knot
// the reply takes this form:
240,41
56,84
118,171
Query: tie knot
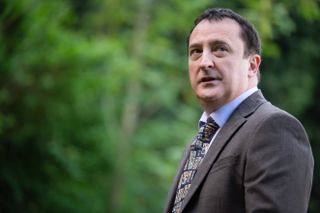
210,123
206,132
208,128
211,126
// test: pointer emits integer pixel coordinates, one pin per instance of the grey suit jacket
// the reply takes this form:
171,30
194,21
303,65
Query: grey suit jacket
260,161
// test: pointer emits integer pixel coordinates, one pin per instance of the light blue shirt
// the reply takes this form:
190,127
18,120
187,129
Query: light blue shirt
223,113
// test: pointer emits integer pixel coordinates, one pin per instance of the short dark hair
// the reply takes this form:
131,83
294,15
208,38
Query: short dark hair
249,34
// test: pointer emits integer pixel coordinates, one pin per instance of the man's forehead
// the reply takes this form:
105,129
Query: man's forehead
225,24
215,29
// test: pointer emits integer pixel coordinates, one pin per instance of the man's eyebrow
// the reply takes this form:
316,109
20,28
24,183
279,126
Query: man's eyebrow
213,42
218,42
194,45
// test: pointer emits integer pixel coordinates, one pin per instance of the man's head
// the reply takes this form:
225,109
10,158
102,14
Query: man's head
224,57
249,34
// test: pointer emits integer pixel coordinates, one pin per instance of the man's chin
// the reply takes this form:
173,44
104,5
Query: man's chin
206,97
207,94
209,103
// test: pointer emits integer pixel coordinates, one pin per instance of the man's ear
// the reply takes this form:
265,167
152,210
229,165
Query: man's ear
254,64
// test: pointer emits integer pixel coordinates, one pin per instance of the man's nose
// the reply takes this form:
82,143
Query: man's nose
207,60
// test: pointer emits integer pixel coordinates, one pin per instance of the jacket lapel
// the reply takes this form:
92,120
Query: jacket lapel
234,123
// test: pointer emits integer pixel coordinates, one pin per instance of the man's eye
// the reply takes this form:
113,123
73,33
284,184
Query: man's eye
195,51
221,49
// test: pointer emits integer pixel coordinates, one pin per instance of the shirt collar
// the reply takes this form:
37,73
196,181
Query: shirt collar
223,113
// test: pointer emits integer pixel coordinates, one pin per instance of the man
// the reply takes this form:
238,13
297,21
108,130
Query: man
250,156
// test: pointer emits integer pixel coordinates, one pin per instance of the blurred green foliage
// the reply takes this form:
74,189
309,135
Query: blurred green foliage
95,103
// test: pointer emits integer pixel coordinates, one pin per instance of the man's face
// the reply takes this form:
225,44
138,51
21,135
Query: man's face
218,70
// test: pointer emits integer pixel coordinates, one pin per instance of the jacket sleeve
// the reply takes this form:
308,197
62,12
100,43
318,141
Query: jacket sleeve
279,167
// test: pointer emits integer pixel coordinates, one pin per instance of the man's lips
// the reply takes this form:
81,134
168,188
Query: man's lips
207,79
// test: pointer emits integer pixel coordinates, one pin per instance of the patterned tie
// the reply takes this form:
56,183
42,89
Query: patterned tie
198,149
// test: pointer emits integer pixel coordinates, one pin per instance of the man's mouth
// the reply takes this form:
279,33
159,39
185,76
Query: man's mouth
207,79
